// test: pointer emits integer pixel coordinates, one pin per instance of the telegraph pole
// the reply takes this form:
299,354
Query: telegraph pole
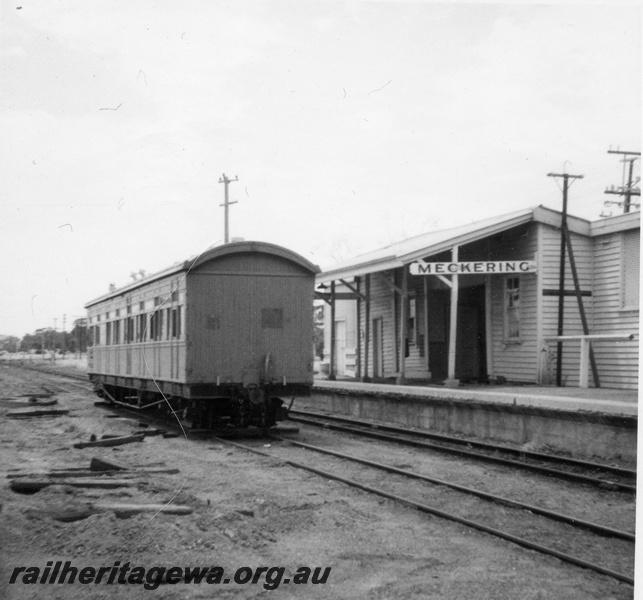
625,190
53,342
227,203
566,243
64,348
561,277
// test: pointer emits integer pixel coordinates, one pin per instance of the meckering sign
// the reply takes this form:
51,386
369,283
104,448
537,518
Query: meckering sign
477,267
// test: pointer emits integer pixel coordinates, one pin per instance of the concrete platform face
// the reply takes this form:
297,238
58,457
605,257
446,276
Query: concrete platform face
524,417
614,402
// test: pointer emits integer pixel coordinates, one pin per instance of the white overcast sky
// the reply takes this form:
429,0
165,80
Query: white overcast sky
350,125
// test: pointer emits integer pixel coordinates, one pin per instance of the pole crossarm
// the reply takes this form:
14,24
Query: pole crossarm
553,292
628,190
565,175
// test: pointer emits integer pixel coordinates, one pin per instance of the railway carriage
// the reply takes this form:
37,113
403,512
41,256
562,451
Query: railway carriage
220,339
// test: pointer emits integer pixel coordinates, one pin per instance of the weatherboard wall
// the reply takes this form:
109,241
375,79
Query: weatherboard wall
616,262
602,263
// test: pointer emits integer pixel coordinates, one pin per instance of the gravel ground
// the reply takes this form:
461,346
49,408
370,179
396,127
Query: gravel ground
250,511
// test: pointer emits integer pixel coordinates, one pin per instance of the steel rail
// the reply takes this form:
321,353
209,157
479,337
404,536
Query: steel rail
473,443
595,527
440,513
437,512
475,455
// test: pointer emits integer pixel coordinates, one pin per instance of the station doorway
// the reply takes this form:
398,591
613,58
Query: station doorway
471,363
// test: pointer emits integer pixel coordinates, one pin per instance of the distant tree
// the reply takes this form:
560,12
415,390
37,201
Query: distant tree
78,336
9,343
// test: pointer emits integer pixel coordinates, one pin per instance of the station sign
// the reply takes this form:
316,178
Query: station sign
473,268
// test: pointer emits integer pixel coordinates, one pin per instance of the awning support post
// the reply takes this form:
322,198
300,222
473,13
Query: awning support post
404,325
453,323
331,367
367,328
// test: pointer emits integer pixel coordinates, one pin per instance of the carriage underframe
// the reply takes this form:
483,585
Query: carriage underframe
202,405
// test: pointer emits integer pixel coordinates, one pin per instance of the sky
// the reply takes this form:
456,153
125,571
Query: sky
350,126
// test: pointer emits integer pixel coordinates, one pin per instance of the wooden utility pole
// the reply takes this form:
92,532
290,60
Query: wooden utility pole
226,204
566,244
561,275
626,190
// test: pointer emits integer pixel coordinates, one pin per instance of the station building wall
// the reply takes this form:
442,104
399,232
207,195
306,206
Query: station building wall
616,306
606,266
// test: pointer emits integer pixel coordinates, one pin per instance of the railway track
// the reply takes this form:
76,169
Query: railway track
580,471
604,542
565,541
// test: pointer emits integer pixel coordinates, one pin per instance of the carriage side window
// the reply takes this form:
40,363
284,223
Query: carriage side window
117,332
153,325
108,333
156,325
512,309
140,330
129,330
176,322
95,337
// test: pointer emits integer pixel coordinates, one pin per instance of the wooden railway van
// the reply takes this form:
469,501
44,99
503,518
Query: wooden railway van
222,336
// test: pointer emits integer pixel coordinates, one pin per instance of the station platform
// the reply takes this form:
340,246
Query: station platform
601,400
581,422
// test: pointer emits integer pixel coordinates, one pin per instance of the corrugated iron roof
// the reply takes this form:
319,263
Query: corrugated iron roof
426,244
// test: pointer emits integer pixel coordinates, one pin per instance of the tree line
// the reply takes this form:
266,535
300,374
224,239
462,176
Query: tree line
47,339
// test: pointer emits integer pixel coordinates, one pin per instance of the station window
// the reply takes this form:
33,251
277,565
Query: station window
512,309
630,274
412,321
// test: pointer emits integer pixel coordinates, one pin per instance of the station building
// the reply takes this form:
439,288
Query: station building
480,302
